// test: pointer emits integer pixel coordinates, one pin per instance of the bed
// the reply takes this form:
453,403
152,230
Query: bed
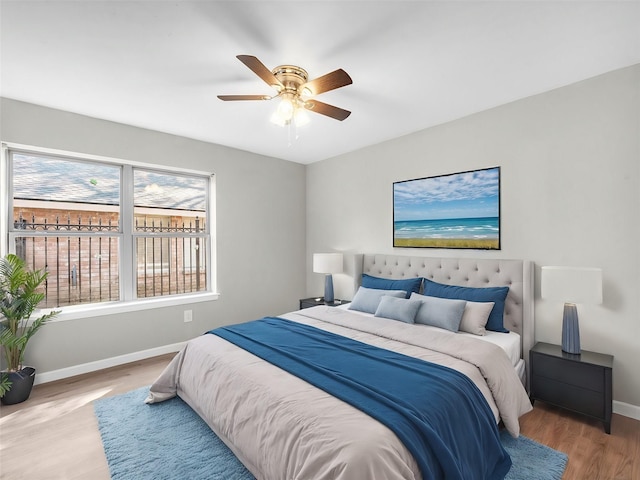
469,272
283,425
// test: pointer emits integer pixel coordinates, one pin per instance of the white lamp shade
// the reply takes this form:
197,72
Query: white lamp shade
327,262
572,284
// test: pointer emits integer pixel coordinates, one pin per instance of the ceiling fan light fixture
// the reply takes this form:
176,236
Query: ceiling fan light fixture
290,110
276,120
294,88
286,108
300,117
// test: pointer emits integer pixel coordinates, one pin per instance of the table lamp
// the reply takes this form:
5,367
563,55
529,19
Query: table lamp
327,263
571,285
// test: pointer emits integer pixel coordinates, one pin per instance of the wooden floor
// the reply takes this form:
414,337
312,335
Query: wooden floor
54,434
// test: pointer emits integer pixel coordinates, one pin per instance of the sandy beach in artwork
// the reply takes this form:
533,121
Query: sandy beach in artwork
479,243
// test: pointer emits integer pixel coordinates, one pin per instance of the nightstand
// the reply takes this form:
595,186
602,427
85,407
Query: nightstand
315,301
581,383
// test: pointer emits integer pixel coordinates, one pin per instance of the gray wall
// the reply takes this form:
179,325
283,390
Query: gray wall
260,235
570,166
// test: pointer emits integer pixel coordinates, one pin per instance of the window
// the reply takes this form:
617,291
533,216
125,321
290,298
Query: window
108,231
169,231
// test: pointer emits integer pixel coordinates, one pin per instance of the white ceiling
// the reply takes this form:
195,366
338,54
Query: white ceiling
160,64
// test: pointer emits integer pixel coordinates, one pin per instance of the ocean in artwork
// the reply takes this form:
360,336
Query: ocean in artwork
485,228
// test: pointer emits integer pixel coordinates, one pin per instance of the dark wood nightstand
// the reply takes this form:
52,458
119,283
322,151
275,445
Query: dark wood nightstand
315,301
581,383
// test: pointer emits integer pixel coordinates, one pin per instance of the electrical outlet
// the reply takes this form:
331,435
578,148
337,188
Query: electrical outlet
188,316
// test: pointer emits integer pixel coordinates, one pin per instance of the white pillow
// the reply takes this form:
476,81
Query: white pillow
367,299
475,317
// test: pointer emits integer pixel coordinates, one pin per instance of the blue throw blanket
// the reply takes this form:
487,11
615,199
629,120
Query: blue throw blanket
438,413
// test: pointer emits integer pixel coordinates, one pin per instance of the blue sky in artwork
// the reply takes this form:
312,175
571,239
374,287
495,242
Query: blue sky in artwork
461,195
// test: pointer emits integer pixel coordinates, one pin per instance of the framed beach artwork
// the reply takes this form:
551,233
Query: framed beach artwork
458,210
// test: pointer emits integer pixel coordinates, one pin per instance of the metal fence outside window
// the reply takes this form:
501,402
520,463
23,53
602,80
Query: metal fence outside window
82,257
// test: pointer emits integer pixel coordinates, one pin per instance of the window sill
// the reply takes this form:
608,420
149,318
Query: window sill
76,312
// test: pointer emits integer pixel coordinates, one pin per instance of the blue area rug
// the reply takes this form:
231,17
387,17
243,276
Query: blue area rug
169,441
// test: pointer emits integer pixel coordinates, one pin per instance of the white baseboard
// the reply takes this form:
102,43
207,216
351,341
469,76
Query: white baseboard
626,409
105,363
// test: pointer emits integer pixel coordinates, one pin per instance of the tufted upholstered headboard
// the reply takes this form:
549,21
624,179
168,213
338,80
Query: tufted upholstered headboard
468,272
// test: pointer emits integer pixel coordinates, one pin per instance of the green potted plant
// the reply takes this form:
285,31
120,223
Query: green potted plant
20,296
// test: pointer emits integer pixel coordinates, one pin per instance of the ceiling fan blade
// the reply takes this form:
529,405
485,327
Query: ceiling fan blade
259,69
227,98
330,81
326,109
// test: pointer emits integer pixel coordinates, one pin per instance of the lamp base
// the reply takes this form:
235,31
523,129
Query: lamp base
570,330
328,289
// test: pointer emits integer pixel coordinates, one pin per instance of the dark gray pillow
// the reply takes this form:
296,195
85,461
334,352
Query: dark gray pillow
440,312
367,299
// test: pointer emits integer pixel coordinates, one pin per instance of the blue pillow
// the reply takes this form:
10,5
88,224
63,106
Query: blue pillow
367,299
489,294
439,312
398,308
408,285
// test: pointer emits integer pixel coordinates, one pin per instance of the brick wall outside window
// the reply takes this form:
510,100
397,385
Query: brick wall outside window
84,269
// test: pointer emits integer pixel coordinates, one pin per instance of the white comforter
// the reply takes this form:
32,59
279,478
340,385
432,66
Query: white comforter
281,427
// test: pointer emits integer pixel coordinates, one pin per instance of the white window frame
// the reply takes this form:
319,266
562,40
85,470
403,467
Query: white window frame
127,302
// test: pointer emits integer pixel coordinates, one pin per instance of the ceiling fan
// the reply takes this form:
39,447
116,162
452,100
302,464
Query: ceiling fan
292,86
